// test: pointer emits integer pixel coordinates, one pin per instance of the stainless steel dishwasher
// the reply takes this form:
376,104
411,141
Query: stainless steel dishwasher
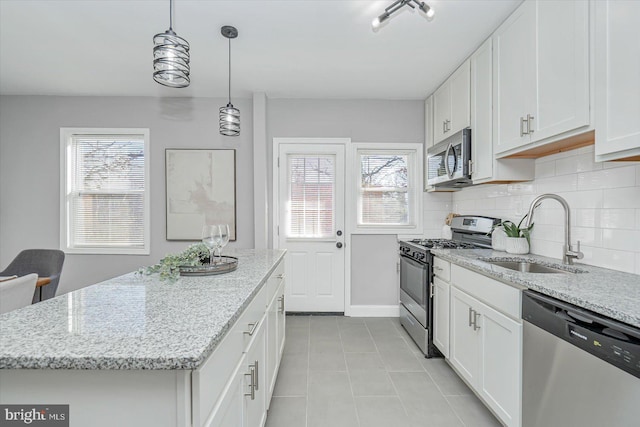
579,368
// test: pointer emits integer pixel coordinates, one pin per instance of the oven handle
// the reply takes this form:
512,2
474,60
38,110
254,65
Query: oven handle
446,161
414,262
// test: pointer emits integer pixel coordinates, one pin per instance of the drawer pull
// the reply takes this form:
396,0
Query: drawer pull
435,267
252,328
252,388
257,375
280,276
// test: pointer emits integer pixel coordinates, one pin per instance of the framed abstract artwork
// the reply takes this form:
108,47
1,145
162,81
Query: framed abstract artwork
201,188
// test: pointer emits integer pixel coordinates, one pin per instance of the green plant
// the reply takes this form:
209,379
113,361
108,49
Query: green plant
167,268
513,230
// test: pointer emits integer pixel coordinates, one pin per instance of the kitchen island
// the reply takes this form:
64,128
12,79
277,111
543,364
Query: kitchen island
139,350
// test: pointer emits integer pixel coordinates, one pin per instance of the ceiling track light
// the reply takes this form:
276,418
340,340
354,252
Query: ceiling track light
229,115
399,4
171,57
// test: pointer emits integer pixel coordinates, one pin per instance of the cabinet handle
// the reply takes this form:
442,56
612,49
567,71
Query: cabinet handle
256,376
252,391
435,267
280,276
529,127
470,316
444,126
475,320
522,132
281,299
448,122
252,328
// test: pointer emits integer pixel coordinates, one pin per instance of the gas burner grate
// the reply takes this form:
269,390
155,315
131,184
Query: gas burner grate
443,244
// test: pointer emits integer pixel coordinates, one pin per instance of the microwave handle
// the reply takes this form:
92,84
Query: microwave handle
446,161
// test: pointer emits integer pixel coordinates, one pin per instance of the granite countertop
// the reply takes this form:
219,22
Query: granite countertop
134,321
612,293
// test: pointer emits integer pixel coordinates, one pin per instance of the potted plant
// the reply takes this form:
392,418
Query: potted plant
518,238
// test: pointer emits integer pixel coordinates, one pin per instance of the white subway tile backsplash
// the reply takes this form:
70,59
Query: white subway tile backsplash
581,163
622,198
545,169
604,200
556,184
607,178
624,240
618,218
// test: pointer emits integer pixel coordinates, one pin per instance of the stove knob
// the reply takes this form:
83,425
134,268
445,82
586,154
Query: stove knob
421,256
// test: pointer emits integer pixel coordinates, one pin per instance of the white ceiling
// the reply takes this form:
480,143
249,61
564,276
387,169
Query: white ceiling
293,48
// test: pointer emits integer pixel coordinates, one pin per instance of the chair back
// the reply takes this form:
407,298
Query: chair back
43,262
17,293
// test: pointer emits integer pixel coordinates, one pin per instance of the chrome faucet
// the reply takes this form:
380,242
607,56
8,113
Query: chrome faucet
568,254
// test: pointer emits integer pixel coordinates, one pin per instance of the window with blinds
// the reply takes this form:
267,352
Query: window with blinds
384,196
106,201
311,196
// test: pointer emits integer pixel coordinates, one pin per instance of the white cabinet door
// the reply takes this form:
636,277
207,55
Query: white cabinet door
460,89
231,405
617,79
514,77
441,112
562,68
428,135
282,319
255,400
501,363
481,112
464,340
441,315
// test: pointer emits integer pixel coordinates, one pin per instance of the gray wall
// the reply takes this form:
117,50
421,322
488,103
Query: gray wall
373,278
30,170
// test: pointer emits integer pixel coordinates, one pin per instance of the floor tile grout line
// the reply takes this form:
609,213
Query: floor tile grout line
349,377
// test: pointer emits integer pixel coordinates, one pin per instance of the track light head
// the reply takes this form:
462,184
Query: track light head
399,4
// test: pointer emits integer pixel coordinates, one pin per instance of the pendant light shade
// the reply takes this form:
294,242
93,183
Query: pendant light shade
229,115
171,57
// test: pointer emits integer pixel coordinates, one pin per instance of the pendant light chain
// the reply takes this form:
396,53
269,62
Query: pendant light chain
229,70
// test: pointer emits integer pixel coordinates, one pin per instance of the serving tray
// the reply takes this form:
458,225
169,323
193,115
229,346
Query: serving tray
225,264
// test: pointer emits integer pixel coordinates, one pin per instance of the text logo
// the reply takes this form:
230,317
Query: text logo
34,415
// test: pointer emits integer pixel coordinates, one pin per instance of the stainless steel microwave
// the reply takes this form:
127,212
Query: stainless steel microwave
448,161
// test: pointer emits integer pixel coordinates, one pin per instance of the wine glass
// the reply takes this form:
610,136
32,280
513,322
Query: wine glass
224,237
211,238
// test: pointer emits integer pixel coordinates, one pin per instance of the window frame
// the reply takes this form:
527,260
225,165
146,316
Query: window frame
414,152
66,136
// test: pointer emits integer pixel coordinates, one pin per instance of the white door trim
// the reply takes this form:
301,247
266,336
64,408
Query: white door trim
276,204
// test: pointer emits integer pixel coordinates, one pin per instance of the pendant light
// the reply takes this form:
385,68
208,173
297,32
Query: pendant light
229,115
171,57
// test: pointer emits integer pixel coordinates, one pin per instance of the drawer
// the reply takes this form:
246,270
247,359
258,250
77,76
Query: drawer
498,295
209,380
442,269
274,281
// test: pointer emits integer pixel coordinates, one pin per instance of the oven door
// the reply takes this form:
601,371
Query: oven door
414,277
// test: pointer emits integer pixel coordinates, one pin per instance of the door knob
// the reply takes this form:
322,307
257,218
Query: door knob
339,245
339,232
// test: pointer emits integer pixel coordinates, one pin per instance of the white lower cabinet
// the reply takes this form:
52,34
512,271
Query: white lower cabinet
486,344
233,386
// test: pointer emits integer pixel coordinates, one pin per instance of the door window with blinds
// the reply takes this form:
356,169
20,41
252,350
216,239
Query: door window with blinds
387,188
105,191
311,188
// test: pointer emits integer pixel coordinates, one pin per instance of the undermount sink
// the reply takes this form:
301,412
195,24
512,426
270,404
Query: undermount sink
531,267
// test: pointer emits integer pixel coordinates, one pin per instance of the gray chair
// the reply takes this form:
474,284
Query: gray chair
17,293
43,262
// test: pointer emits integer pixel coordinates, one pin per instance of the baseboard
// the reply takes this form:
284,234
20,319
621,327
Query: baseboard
373,311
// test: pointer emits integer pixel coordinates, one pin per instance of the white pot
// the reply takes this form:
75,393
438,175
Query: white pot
499,239
517,245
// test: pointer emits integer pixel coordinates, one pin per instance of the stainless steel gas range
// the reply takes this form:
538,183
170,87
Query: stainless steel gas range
416,275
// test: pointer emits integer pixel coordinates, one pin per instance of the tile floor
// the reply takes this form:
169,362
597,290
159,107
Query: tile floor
366,372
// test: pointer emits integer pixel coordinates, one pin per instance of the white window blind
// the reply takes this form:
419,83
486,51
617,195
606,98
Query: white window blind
311,196
106,199
384,189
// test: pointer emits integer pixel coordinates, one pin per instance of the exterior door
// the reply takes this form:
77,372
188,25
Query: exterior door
311,225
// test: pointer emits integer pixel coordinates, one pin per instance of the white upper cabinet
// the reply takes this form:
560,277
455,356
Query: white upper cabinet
452,105
428,135
541,73
617,41
484,166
